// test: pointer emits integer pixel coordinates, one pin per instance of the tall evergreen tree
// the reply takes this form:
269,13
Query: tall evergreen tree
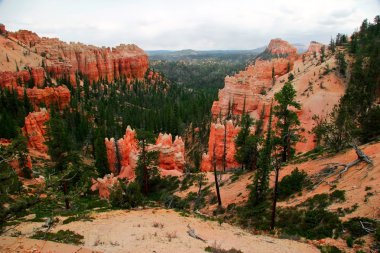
261,181
287,133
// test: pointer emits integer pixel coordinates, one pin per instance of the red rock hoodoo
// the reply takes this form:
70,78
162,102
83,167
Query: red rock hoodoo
217,133
123,154
35,130
171,153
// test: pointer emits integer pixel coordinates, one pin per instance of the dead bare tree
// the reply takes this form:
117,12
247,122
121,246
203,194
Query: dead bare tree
333,168
216,178
191,232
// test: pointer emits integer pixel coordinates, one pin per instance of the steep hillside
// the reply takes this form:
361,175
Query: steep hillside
319,87
359,185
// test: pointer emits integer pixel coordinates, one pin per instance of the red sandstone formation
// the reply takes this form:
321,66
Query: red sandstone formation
171,153
253,89
217,133
11,80
247,89
104,185
50,95
35,130
282,48
123,155
64,60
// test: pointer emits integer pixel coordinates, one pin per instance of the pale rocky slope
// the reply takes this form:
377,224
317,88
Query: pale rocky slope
159,230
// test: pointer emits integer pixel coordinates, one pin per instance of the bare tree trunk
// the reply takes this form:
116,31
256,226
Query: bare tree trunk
216,179
145,169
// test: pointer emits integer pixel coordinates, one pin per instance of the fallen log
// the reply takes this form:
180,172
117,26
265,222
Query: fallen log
191,232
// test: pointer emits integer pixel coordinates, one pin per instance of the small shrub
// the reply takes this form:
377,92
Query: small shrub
350,242
359,242
312,224
126,196
330,249
158,225
216,249
62,236
377,233
292,183
79,217
337,196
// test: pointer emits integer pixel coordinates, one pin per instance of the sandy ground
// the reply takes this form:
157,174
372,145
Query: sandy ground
14,244
161,230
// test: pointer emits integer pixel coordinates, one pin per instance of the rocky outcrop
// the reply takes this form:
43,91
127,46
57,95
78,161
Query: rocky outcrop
171,155
59,96
27,38
104,185
35,130
281,48
123,154
246,92
217,133
64,60
31,77
247,89
314,47
253,89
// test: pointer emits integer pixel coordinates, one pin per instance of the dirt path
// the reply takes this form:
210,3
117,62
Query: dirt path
160,230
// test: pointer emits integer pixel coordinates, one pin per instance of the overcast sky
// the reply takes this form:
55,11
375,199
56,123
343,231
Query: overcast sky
183,24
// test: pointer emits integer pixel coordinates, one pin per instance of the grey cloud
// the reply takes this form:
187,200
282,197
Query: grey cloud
179,24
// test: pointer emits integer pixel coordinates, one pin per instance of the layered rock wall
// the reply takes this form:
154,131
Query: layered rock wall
64,60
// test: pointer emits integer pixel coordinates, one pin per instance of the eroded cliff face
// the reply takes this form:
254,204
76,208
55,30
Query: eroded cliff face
11,80
35,130
63,60
31,59
248,88
252,90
